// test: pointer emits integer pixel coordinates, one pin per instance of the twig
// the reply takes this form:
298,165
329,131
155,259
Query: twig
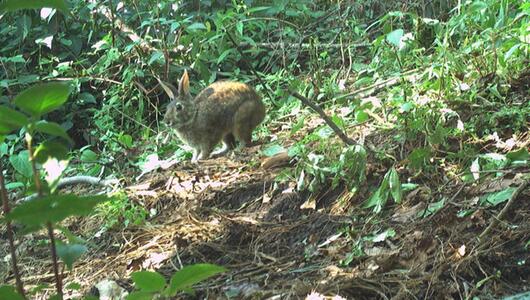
505,210
283,45
244,58
326,119
374,88
49,227
12,250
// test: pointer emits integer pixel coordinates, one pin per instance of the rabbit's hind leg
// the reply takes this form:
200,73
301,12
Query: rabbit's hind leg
229,143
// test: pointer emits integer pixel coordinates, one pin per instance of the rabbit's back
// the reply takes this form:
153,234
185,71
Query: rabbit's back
223,103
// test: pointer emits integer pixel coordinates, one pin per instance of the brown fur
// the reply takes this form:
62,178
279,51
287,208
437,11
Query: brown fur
226,110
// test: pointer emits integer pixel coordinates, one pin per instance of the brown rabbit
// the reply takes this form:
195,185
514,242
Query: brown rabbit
225,110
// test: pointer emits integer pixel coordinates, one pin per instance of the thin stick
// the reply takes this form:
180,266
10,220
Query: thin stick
12,250
326,119
244,58
49,227
505,210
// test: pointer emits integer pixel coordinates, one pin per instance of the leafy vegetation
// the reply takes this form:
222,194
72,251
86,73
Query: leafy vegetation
434,98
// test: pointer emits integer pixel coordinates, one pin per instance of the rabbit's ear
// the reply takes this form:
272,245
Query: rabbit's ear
184,84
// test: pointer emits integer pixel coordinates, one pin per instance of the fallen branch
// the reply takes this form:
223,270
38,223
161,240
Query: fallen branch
282,45
326,119
504,211
143,44
378,86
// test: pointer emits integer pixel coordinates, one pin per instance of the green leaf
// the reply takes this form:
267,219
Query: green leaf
21,163
13,5
141,295
149,281
395,185
196,26
69,253
155,57
126,140
239,27
54,208
432,208
49,149
395,36
273,150
381,237
52,128
10,120
43,98
223,55
419,158
86,98
377,200
497,197
89,156
73,286
361,116
521,154
191,275
8,292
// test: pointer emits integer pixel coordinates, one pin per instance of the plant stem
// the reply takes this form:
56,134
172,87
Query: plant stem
49,227
12,249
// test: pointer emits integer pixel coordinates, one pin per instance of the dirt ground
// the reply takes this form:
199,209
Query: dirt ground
228,213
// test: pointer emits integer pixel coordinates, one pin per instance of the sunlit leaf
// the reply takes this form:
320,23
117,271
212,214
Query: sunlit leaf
50,149
273,150
395,185
191,275
395,36
21,163
69,253
432,208
43,98
497,197
148,281
196,26
54,208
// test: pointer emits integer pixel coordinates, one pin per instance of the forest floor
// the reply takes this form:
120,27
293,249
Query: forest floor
278,243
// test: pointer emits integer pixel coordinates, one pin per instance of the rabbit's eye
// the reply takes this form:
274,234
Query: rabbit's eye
178,106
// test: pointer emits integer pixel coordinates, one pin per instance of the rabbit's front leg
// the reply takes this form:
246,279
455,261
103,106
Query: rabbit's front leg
194,157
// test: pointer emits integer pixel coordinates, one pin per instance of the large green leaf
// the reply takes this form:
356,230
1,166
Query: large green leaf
149,281
140,295
54,208
43,98
13,5
21,163
11,119
51,128
497,197
70,252
191,275
8,292
49,149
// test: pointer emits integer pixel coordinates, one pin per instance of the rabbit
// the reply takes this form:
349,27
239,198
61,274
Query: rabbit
224,110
